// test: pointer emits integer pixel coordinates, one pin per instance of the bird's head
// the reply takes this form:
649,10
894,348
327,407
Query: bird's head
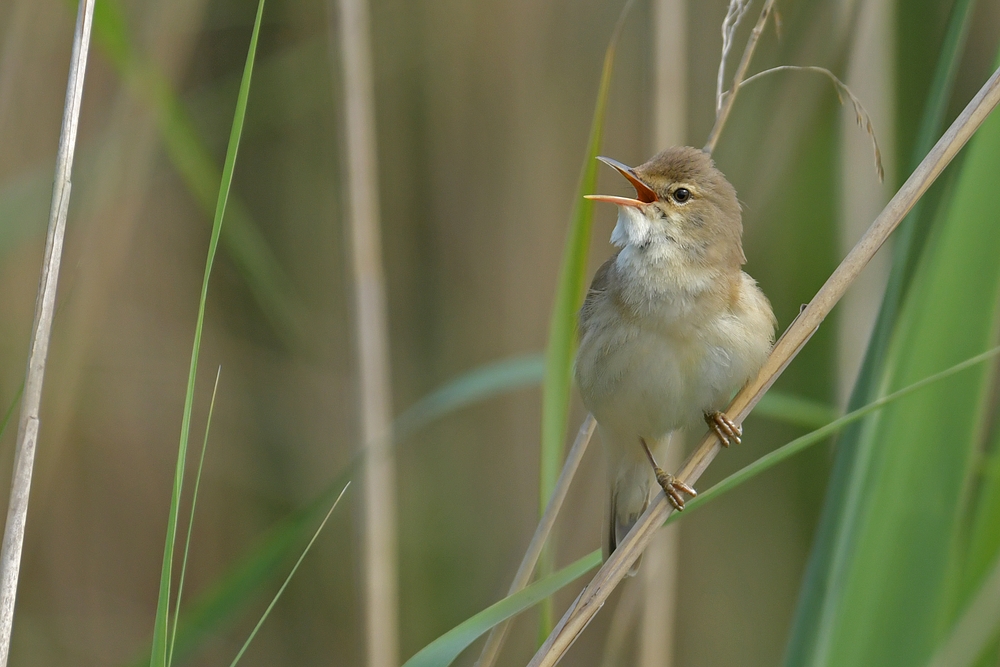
684,208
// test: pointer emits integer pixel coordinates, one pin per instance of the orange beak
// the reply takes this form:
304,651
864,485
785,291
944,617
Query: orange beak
644,194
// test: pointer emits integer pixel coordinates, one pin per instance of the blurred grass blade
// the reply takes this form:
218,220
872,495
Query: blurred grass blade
268,282
795,410
888,571
913,230
190,526
906,250
978,625
237,588
158,656
570,290
443,650
557,388
476,385
277,596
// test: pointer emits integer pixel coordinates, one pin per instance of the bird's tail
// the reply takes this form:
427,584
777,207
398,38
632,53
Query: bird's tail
629,497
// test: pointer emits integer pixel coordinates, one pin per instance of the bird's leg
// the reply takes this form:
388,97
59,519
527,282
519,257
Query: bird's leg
725,428
670,484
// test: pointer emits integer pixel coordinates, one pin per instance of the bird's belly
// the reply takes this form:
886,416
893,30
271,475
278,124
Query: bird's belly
650,382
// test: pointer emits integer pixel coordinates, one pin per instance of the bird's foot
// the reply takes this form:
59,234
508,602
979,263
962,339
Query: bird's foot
724,428
673,487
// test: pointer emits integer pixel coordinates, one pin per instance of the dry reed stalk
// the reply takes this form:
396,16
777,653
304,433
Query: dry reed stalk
724,103
379,550
660,570
28,424
592,598
494,642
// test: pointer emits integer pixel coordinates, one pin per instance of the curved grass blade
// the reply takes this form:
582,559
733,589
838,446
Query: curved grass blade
158,656
472,387
443,650
274,600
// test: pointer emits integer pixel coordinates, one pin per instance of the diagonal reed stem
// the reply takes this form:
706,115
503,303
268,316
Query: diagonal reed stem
491,650
592,598
28,424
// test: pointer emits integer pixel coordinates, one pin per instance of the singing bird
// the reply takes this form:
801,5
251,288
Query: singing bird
671,326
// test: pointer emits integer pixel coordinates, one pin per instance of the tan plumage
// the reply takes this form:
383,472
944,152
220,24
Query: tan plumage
671,326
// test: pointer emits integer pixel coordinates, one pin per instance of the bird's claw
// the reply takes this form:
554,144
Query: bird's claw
673,487
724,428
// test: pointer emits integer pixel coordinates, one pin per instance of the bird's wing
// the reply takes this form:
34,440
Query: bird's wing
597,290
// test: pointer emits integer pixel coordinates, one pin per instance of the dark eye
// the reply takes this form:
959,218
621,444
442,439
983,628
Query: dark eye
681,195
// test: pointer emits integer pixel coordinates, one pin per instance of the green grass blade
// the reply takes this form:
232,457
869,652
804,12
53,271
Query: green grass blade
158,656
849,454
889,573
284,585
558,385
443,650
570,291
975,629
190,526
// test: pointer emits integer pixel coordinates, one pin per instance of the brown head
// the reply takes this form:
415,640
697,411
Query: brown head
683,201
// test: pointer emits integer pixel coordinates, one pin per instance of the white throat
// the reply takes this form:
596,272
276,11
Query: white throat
633,228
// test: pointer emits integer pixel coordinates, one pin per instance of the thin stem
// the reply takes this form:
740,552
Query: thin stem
190,526
741,71
28,424
798,333
491,650
371,331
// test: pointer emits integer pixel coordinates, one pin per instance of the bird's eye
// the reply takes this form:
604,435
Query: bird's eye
681,195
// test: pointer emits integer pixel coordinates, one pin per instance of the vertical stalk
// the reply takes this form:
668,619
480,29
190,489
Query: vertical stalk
28,424
379,498
659,572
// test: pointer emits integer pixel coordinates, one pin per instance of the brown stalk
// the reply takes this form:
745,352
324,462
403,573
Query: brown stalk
795,337
741,71
379,477
28,423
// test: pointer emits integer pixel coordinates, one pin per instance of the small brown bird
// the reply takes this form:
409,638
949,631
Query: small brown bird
671,326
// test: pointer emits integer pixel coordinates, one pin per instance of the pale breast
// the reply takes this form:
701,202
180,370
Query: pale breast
657,372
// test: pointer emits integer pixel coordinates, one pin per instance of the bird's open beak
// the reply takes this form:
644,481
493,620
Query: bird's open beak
644,194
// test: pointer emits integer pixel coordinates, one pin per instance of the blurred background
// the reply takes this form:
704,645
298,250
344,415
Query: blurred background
482,115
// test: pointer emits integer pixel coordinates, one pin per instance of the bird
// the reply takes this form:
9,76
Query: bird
671,326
